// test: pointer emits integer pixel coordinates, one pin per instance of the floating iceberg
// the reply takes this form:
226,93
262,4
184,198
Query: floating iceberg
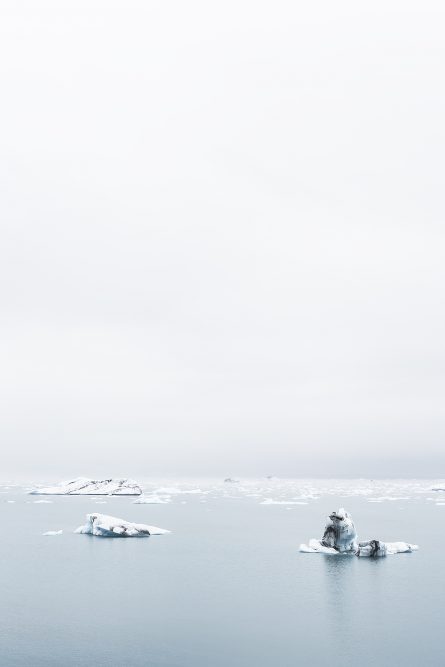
339,532
53,532
340,537
110,526
89,487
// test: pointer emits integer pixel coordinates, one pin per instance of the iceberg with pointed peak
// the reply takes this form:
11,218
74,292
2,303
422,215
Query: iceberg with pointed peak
82,486
103,525
339,532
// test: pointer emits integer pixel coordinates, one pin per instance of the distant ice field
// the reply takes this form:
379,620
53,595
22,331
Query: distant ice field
227,586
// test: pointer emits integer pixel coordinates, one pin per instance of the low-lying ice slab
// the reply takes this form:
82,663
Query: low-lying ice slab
375,548
340,537
83,486
110,526
371,549
316,546
152,500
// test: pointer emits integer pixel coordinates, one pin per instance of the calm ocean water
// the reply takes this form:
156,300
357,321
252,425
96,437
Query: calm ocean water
228,587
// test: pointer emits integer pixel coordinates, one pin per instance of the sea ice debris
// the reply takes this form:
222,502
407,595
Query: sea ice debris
152,500
110,526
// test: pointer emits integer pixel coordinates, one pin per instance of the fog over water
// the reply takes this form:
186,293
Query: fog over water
222,238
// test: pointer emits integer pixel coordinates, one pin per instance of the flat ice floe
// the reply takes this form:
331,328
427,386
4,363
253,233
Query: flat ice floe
152,500
271,501
89,487
53,532
372,548
110,526
167,490
340,537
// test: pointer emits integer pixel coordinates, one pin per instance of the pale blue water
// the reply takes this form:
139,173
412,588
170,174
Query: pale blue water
227,587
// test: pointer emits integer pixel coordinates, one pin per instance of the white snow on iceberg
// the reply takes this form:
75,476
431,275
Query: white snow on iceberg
110,526
83,486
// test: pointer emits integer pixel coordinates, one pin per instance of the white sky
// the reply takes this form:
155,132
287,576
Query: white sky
222,237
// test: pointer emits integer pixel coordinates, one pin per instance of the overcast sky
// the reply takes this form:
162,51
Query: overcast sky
222,238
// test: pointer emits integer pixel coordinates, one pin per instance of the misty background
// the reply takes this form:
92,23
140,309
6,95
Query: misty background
222,238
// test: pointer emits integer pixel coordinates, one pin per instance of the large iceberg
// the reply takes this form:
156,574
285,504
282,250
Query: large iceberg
83,486
340,536
110,526
339,532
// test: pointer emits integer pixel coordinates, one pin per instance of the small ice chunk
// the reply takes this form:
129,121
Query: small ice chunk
110,526
53,532
42,502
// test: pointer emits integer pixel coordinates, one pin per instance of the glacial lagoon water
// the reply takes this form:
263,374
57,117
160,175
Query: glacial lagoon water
228,587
